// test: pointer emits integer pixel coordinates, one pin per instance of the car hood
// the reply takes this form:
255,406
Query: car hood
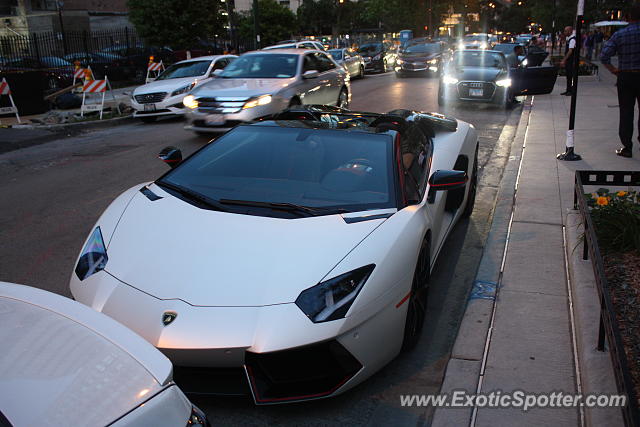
477,73
417,56
173,250
369,54
241,87
57,371
168,85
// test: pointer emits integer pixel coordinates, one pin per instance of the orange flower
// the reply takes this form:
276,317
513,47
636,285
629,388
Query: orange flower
602,201
621,193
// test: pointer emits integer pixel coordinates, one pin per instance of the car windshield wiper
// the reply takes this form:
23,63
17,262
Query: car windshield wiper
288,207
193,196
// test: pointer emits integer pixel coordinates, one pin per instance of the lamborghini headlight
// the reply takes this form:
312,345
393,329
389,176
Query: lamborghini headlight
449,80
504,82
183,89
93,257
331,299
189,101
260,100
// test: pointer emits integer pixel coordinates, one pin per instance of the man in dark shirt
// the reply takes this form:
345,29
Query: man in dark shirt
567,61
598,37
626,44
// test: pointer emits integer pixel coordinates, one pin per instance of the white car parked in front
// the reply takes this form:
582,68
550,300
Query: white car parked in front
163,96
64,364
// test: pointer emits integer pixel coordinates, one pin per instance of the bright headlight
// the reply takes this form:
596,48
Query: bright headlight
399,61
189,101
183,89
93,257
449,80
433,61
504,82
483,45
331,299
261,100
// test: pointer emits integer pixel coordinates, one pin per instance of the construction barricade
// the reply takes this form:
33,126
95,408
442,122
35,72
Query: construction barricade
96,87
153,70
6,91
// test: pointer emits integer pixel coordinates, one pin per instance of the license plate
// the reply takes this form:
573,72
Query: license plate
149,107
214,119
475,92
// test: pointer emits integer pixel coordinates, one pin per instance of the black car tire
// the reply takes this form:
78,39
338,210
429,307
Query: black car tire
473,188
417,304
361,75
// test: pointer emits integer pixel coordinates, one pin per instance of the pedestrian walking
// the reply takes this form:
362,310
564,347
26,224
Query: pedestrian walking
598,37
567,61
589,44
626,44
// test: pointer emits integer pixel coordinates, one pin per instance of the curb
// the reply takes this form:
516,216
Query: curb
92,124
464,367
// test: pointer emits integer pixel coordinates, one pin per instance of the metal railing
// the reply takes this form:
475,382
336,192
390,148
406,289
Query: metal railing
609,328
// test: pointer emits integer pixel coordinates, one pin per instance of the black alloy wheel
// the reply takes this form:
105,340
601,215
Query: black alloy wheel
417,304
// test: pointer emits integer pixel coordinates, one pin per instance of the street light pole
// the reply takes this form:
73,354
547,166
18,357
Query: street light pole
569,154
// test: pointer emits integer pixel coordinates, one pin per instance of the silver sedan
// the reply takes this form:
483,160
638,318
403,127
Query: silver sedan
266,82
350,60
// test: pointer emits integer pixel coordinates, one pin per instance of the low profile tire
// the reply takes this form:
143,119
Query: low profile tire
473,189
343,98
151,119
417,304
361,75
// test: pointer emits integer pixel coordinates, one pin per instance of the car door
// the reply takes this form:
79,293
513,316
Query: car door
533,80
352,62
329,79
310,89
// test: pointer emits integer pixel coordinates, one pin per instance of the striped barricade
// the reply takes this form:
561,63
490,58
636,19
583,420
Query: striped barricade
153,71
5,90
97,87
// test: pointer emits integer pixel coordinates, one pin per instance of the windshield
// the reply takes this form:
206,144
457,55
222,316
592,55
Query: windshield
336,54
318,168
370,48
505,48
185,69
475,38
423,48
54,61
478,58
262,66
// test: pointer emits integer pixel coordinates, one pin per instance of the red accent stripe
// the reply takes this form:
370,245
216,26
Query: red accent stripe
4,88
448,184
403,300
284,399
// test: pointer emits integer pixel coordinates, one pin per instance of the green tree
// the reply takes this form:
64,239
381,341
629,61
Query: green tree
175,23
276,22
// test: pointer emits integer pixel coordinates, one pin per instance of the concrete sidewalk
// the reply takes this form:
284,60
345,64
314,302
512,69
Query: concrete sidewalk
526,327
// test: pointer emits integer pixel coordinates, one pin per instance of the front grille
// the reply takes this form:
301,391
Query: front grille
303,373
221,104
150,98
487,90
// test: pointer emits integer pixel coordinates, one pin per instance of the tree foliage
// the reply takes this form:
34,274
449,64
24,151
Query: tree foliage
175,23
276,22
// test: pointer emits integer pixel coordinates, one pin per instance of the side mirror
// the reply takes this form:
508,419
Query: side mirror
171,156
217,72
311,74
443,180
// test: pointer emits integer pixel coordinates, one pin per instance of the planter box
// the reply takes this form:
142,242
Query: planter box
609,326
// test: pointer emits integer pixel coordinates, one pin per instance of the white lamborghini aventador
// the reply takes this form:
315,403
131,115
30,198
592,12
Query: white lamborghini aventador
287,249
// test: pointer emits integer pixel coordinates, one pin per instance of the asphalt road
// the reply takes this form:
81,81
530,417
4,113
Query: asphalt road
52,194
